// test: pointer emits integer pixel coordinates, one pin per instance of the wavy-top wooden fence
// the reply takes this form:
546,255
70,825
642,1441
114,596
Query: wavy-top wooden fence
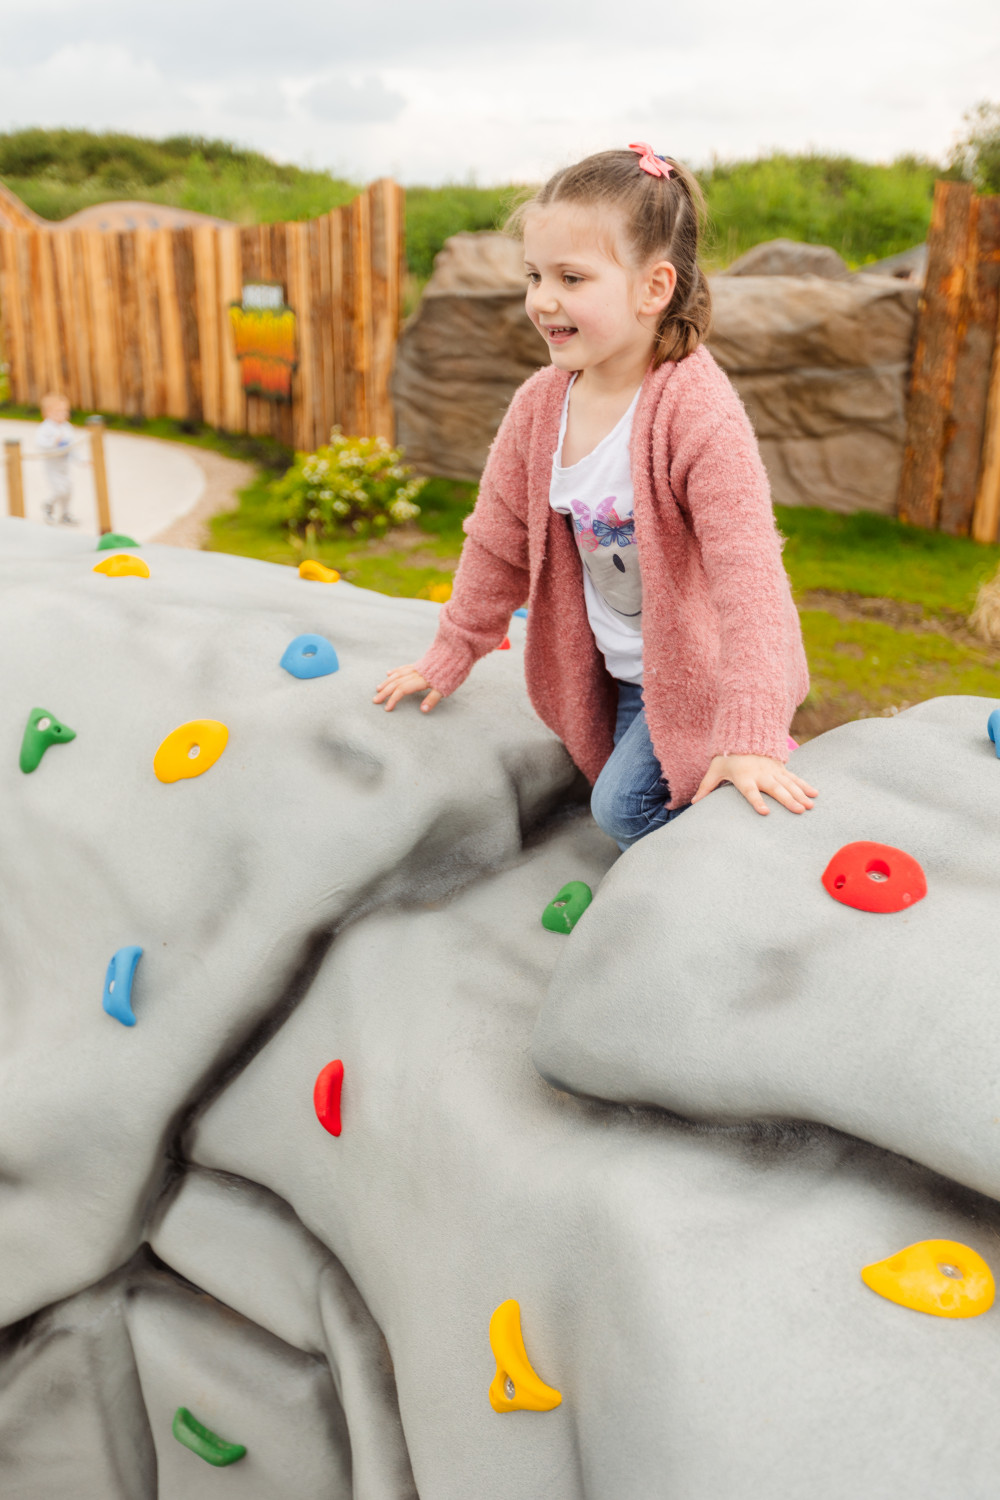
137,322
951,465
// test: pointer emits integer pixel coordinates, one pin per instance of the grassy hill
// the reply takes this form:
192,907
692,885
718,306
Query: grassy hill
865,211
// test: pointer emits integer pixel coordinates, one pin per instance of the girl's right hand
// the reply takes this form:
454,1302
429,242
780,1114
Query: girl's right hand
401,681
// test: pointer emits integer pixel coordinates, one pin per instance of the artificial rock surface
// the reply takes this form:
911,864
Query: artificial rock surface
820,361
180,1230
802,1008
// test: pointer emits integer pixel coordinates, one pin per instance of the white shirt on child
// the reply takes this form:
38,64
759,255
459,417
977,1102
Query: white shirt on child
596,493
56,441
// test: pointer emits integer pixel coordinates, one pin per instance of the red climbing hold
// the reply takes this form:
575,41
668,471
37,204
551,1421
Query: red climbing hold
874,877
326,1096
504,644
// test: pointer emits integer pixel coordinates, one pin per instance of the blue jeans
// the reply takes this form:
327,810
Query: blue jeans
630,796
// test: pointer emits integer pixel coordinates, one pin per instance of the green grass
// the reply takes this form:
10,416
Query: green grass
863,667
879,557
58,172
865,210
257,529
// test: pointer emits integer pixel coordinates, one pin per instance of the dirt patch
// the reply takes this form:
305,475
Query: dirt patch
224,477
412,541
899,615
816,718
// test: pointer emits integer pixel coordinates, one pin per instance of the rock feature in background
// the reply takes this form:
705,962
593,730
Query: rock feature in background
822,367
821,364
908,265
789,258
179,1230
462,355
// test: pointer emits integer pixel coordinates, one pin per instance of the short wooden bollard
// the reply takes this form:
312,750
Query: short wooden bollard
96,425
15,481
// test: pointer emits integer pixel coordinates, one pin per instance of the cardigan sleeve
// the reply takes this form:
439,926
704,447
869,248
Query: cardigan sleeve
492,576
761,661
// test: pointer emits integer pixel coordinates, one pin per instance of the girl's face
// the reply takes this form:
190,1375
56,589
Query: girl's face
591,306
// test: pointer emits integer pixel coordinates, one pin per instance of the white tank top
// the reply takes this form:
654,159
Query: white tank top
596,493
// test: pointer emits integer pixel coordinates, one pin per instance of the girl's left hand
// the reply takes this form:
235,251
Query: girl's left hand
753,774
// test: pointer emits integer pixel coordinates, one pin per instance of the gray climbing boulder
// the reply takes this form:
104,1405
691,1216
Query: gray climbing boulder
181,1231
716,976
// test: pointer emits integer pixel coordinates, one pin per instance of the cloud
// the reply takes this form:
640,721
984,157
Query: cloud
263,102
503,92
340,100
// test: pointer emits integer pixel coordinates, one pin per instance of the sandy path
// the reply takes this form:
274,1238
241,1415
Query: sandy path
160,491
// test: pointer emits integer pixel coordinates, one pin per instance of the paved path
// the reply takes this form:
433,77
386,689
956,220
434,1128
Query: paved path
160,491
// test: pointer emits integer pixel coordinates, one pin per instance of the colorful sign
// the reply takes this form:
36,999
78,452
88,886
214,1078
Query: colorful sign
264,336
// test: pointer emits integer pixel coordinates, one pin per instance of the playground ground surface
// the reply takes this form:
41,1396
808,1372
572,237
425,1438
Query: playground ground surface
884,607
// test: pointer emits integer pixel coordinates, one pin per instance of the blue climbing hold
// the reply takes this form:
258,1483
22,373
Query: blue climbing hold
118,985
993,729
310,656
520,614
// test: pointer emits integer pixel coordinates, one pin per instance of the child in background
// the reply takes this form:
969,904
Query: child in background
624,498
55,446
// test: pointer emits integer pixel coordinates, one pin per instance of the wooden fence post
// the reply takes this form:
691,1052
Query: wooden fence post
986,515
935,354
15,484
96,425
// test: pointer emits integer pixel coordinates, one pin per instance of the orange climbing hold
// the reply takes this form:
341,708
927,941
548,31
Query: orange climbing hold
190,750
504,644
515,1386
874,877
940,1277
121,565
326,1096
317,572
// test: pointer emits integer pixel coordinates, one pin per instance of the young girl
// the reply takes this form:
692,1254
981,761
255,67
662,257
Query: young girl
625,500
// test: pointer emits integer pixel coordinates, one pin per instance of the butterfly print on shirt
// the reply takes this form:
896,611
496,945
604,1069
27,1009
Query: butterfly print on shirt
604,528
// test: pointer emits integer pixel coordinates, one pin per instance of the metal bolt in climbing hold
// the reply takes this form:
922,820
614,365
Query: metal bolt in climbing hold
947,1270
508,1388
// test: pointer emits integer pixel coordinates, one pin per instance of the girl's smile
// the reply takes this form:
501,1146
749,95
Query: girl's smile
557,335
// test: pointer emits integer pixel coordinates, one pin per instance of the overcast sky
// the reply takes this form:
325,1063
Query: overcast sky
454,89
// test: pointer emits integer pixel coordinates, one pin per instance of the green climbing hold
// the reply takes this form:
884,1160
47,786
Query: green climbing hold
42,730
115,539
207,1444
565,909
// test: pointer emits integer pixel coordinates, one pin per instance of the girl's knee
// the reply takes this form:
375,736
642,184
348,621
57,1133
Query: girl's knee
609,811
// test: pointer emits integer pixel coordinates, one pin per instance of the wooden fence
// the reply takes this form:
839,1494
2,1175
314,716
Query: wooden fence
137,322
951,465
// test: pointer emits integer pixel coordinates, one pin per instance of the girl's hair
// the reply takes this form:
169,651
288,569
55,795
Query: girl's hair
662,217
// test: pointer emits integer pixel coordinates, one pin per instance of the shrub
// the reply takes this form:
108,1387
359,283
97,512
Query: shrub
977,155
352,484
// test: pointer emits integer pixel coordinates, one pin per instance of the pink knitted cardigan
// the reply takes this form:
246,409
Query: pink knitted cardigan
724,667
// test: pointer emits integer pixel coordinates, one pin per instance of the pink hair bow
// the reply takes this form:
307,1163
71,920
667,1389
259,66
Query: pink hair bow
655,165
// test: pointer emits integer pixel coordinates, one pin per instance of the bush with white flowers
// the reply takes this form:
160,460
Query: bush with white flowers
353,485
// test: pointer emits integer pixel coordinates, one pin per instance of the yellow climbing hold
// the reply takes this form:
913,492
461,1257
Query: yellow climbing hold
190,750
121,565
935,1276
439,593
317,572
515,1386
